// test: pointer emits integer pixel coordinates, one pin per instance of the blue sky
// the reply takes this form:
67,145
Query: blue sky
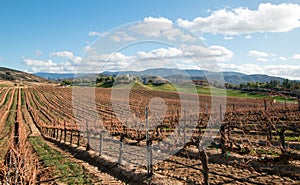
252,36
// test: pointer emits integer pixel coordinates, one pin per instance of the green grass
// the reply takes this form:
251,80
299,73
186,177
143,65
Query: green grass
4,85
11,118
200,90
289,138
4,134
38,99
4,147
65,169
23,102
2,92
267,152
7,97
162,87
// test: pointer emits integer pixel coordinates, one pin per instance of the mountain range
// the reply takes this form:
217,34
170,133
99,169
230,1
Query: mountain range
229,77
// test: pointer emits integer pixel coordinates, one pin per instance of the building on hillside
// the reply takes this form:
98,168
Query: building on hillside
200,82
155,80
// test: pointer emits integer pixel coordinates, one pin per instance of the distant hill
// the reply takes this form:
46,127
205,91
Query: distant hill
173,75
243,78
55,76
59,76
18,77
229,77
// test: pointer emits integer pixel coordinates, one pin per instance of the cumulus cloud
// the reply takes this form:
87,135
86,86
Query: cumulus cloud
228,38
262,59
183,57
267,17
50,65
160,53
68,55
296,57
94,33
153,27
259,54
248,37
282,58
221,53
160,27
284,71
122,36
64,54
39,63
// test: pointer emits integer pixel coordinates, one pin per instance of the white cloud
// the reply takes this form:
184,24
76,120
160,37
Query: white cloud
159,19
122,36
153,27
161,53
228,38
185,56
94,33
248,37
69,65
160,27
202,38
282,58
68,55
266,18
262,59
221,53
245,68
39,63
296,57
64,54
50,66
284,71
259,54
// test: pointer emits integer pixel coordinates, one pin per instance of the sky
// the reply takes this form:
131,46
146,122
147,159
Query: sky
252,37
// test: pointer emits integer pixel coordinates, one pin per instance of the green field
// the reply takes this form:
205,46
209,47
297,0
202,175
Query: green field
201,90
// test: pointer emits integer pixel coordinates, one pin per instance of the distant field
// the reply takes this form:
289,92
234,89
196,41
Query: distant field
203,91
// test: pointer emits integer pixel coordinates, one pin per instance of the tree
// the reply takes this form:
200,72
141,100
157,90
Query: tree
286,83
66,82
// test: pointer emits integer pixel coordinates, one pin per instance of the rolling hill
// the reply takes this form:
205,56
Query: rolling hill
10,77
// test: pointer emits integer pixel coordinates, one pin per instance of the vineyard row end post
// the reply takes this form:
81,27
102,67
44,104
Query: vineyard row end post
149,155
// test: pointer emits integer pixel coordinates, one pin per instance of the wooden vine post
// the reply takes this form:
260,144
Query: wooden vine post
299,103
60,136
88,136
121,149
101,143
282,139
269,133
71,137
65,133
204,161
265,103
149,147
78,138
222,130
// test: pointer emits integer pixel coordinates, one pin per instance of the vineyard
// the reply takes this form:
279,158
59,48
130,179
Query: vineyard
53,135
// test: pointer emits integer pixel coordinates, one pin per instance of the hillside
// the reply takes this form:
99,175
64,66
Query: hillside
10,77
